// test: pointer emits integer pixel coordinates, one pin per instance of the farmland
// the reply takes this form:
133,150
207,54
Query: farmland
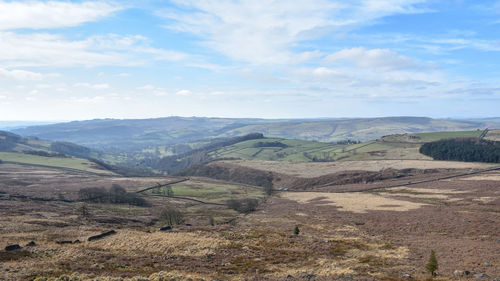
389,147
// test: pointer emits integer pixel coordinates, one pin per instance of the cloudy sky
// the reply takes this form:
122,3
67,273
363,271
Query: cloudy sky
75,60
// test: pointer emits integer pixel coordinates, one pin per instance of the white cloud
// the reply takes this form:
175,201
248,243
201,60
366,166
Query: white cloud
92,86
266,31
43,49
51,14
95,99
160,93
183,93
20,74
147,87
378,59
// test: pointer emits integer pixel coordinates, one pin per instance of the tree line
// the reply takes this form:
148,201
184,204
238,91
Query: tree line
463,149
114,195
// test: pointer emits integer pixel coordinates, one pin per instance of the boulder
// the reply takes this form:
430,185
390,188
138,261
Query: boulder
405,275
102,235
461,273
166,228
12,247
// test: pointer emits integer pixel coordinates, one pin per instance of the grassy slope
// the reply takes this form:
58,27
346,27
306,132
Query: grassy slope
294,151
354,129
389,147
56,162
432,136
212,191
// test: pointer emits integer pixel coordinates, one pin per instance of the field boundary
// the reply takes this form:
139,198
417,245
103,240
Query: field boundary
189,199
485,132
403,184
162,185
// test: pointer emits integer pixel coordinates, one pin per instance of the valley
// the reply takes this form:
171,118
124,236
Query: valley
364,211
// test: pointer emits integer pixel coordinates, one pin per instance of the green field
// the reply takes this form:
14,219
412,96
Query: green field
305,151
428,137
210,192
433,136
292,150
56,162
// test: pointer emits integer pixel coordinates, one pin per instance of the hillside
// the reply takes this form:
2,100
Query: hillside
15,149
135,133
172,135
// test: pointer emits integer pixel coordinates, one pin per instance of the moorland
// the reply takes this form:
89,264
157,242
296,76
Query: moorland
248,200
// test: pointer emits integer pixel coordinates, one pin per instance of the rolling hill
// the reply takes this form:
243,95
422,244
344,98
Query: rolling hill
149,134
15,149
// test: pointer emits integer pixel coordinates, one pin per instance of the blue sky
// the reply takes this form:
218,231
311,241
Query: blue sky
75,60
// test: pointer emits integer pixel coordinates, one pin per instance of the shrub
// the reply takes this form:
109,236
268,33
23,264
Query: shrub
115,195
296,230
246,205
171,216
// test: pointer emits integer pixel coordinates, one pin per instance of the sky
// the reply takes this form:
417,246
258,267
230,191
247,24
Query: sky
78,60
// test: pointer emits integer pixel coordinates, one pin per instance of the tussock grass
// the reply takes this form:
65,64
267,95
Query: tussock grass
353,202
165,243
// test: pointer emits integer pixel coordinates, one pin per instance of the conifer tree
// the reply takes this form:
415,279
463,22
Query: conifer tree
432,264
296,231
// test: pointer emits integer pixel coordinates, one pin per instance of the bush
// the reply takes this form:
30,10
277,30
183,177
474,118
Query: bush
246,205
171,216
270,144
115,195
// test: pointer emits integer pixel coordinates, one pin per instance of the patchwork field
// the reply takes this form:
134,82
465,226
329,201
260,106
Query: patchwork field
310,170
434,136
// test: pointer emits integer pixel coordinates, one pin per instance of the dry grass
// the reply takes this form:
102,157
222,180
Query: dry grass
422,193
493,135
430,190
311,170
168,243
487,177
158,276
353,202
485,199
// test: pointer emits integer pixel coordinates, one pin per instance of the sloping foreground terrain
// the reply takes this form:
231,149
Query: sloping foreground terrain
381,234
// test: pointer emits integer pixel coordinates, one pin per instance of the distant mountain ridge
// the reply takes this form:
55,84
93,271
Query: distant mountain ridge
137,134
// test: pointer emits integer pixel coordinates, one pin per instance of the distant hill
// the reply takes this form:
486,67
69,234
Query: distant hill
257,147
136,133
139,134
15,149
10,142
